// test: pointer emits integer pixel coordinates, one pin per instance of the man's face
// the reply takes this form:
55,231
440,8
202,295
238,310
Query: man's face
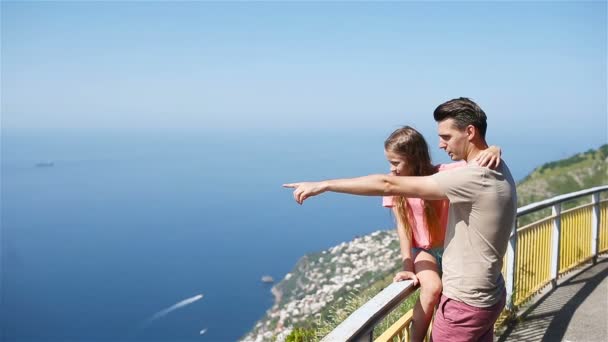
452,139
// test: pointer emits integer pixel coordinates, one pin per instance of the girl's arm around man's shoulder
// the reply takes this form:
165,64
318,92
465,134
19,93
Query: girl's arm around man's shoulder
451,166
490,157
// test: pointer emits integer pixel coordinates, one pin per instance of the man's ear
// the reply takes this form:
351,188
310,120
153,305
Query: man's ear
471,132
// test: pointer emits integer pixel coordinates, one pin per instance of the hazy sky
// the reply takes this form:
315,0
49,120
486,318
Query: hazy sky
536,68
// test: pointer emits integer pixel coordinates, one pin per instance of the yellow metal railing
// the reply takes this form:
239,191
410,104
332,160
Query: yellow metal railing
533,258
544,250
603,233
575,242
399,331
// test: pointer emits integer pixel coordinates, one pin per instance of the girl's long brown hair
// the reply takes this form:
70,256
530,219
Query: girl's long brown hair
410,145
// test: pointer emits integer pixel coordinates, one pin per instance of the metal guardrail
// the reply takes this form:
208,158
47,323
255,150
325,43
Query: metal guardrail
554,236
360,324
527,209
548,248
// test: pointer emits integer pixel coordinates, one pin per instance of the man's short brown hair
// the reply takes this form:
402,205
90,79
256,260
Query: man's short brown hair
464,112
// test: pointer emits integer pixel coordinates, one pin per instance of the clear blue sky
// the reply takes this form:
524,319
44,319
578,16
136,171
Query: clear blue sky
537,68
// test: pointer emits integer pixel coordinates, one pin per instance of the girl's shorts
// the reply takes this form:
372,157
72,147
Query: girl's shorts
436,252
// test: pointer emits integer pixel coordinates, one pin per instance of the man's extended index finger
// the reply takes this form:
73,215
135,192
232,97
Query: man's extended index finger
290,185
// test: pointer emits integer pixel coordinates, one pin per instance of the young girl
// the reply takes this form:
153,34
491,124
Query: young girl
421,224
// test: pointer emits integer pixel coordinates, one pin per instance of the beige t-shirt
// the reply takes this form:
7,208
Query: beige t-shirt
483,204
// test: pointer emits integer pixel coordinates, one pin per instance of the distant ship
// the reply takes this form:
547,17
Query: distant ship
267,279
203,331
45,164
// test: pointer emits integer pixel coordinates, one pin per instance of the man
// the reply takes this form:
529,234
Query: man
483,204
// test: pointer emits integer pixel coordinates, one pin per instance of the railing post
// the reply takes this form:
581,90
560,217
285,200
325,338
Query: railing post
595,226
556,210
511,261
368,336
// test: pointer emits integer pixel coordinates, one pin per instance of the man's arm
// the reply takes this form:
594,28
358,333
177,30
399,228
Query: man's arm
372,185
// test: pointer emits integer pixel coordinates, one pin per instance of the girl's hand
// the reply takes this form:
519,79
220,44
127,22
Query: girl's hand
304,190
405,275
489,157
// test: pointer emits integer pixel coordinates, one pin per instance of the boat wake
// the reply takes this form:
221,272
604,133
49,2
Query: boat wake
175,306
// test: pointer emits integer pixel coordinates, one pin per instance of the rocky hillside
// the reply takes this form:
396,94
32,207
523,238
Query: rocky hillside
321,278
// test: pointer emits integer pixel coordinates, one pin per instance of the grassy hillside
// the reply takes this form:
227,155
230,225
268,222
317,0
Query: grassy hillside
581,171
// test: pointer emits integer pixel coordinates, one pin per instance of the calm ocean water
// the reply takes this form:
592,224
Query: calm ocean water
122,227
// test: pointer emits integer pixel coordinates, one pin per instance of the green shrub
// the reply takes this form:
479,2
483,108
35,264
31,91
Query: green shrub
301,335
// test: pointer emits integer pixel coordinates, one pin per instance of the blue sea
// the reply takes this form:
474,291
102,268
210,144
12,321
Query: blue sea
125,225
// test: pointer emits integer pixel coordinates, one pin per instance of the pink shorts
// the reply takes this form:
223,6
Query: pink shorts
456,321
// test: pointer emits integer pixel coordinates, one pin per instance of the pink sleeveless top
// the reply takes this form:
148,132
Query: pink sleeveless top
420,233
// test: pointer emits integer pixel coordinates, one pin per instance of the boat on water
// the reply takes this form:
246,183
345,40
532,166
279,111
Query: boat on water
267,279
45,164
